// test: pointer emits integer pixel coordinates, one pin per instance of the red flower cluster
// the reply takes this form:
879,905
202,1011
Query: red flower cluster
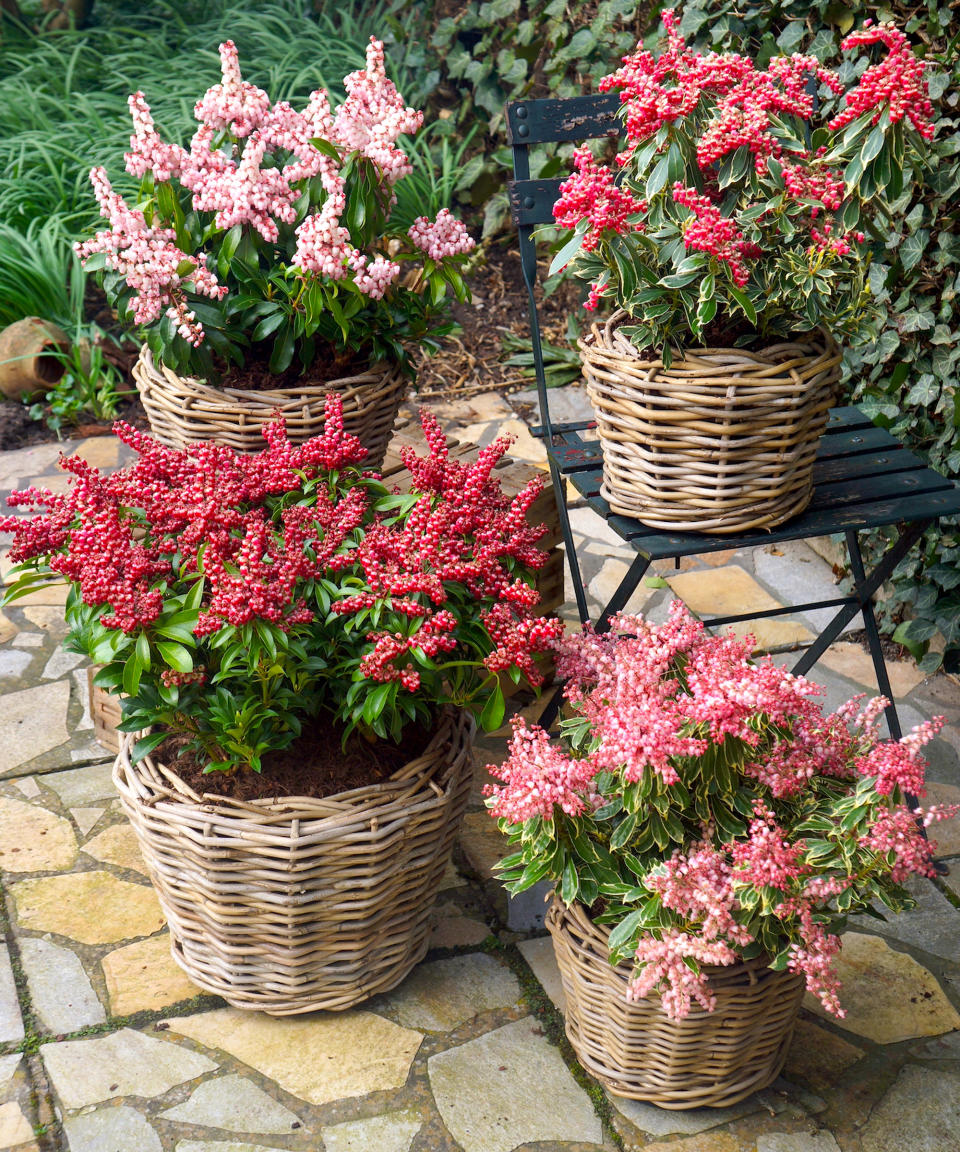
592,194
895,85
711,232
463,532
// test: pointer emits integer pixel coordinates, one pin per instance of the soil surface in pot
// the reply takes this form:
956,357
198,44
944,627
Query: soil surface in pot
255,375
316,764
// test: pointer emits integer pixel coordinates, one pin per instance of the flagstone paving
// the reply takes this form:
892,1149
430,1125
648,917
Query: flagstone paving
106,1046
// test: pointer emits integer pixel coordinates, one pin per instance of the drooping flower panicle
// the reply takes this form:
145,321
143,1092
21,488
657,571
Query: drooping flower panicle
706,797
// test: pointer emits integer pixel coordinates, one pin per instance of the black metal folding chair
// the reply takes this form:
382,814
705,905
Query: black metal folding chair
863,477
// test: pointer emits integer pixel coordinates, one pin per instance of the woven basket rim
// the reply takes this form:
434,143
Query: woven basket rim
819,338
165,788
577,914
374,372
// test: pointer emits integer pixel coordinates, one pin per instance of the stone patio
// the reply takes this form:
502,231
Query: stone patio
105,1046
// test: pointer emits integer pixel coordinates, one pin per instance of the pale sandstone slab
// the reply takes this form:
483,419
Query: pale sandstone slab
393,1132
609,579
99,451
33,721
8,1069
33,461
223,1146
491,1092
539,954
92,907
11,1025
887,995
945,834
920,1113
27,786
117,845
15,1128
33,839
79,786
440,996
48,619
818,1057
27,639
7,628
452,930
319,1058
82,688
60,989
768,635
85,818
51,593
60,663
850,660
144,976
125,1063
236,1105
724,591
708,1142
822,1141
685,1122
13,663
931,926
120,1129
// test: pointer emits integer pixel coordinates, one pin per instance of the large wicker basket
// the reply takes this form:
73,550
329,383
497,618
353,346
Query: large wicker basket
633,1048
723,440
298,904
184,410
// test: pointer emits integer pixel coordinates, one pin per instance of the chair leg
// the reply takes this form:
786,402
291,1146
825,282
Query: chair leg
573,560
873,637
627,585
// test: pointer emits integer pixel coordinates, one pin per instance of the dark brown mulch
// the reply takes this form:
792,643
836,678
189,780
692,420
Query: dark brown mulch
255,375
316,764
890,648
471,361
19,430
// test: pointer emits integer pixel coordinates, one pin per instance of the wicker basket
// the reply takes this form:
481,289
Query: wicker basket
298,904
708,1059
184,410
104,712
723,440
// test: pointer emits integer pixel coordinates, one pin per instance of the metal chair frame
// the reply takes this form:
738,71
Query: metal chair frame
863,478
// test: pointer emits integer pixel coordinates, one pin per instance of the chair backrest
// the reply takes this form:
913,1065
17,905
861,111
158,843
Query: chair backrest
538,122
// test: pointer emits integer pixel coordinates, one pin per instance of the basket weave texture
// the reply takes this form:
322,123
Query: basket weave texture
297,904
183,410
723,440
708,1059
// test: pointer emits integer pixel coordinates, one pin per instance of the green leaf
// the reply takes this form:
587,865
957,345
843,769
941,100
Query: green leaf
744,301
624,932
176,656
569,882
146,745
491,718
570,249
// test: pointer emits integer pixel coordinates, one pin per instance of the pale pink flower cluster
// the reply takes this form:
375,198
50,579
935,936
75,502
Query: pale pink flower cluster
233,106
767,858
373,117
699,886
373,277
536,776
445,236
633,704
664,965
150,262
247,163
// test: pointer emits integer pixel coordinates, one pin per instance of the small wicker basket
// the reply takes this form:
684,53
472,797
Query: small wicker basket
183,410
298,904
708,1059
723,440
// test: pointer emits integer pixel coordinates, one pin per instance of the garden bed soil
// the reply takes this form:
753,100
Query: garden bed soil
316,764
